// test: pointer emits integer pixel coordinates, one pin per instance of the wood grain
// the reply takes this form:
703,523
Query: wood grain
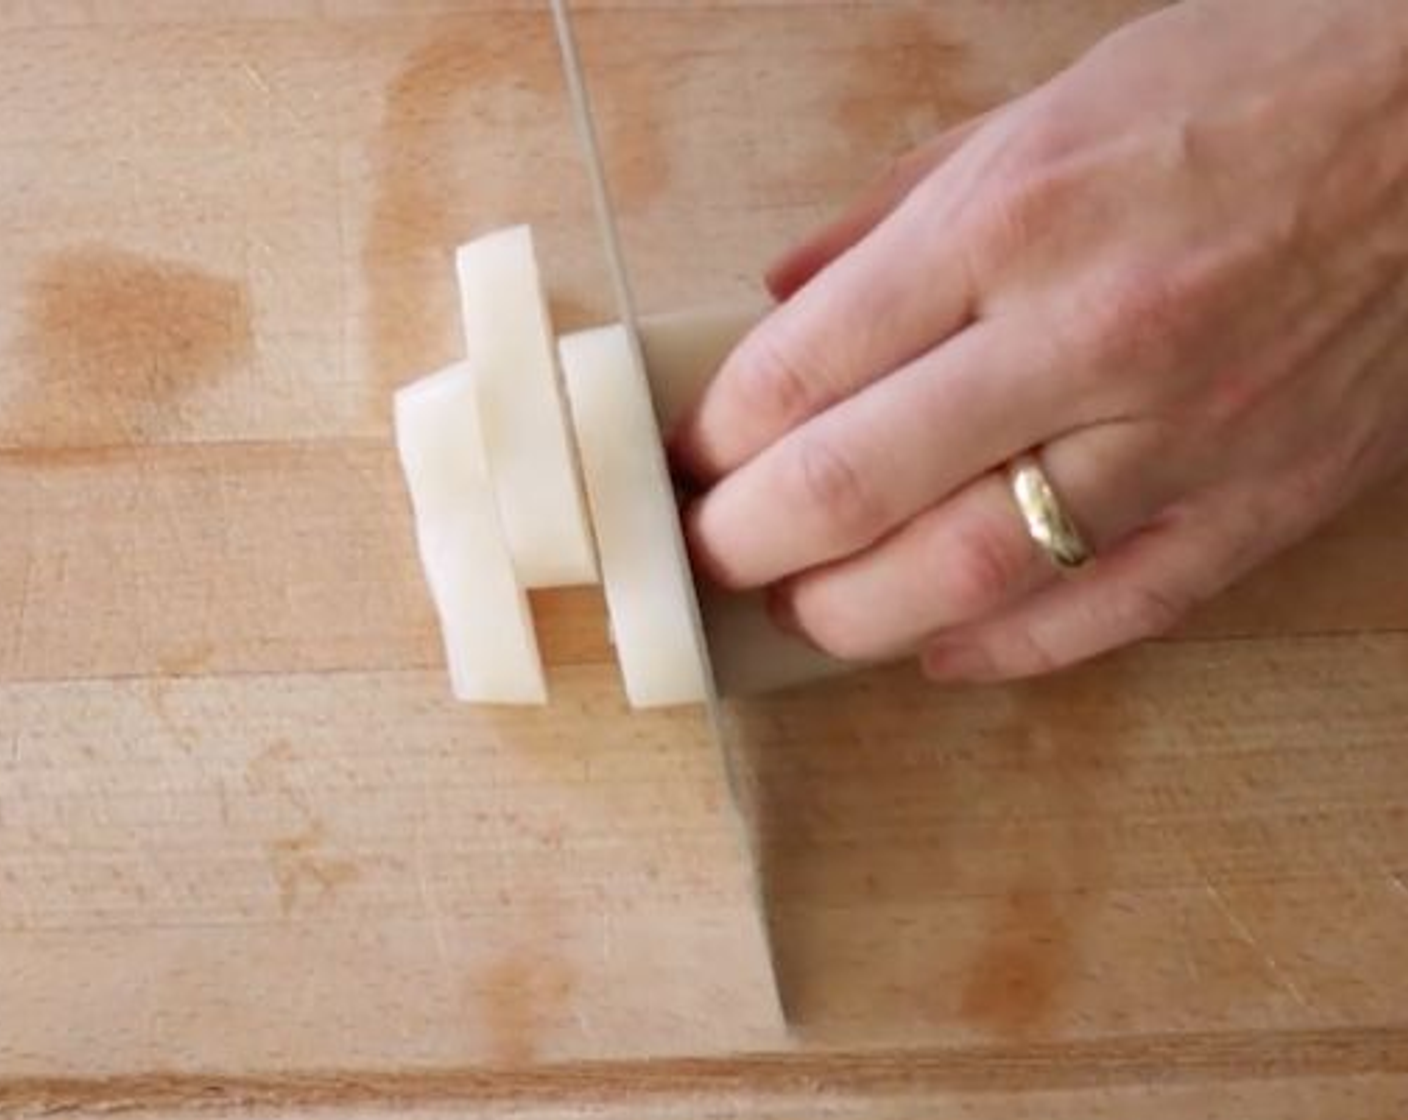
1278,1075
248,557
1172,840
252,859
281,868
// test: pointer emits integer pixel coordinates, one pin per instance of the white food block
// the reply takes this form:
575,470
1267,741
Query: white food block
683,352
510,341
485,621
648,585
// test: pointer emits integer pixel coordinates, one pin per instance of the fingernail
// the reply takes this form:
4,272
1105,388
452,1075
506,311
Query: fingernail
777,280
790,272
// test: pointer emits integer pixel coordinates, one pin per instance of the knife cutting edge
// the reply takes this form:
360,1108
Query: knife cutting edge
625,303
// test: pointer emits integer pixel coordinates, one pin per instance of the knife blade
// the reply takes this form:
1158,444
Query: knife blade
715,716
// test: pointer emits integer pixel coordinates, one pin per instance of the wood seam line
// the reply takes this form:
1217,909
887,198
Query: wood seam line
1155,1059
433,668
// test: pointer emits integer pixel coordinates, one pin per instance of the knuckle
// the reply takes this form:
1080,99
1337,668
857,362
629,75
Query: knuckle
773,379
1029,656
1141,316
1149,612
1148,304
1234,394
1318,486
1013,653
850,508
1017,217
980,567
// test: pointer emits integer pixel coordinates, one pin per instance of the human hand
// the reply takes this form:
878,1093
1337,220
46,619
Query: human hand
1179,270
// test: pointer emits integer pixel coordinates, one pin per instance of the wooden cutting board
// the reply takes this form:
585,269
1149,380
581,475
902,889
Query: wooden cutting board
249,853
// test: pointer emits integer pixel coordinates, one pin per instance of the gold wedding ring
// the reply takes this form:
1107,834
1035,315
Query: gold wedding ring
1048,523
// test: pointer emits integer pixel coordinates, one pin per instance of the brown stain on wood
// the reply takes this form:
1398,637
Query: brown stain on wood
471,76
114,341
1033,948
894,96
302,868
267,773
453,83
634,110
813,770
265,770
302,862
1014,985
159,701
186,661
882,97
522,995
881,747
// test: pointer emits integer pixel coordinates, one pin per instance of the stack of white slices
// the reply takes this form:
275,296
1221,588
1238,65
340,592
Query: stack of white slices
491,455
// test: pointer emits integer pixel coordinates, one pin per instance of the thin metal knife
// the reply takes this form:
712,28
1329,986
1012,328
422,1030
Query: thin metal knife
626,308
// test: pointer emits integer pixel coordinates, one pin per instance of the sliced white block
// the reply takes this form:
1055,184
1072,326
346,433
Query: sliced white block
649,590
509,339
490,644
683,352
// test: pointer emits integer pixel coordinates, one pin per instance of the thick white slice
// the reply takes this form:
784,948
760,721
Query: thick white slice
510,341
485,621
633,509
683,351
